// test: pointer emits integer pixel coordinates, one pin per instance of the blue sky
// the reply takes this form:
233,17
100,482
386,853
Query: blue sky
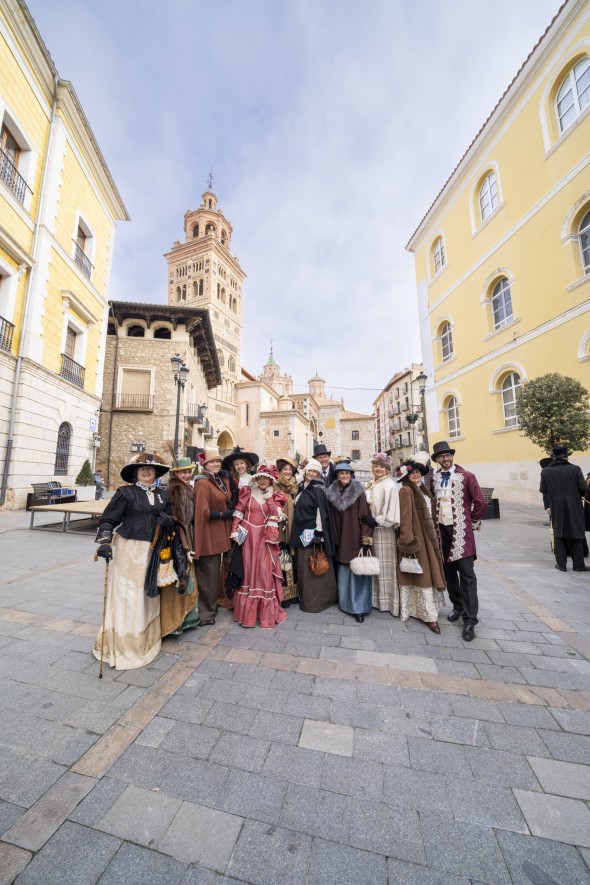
330,126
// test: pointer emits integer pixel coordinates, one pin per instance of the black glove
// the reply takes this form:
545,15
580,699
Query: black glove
164,520
226,514
318,538
106,551
369,520
213,515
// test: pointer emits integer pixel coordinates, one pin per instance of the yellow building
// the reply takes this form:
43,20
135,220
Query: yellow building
503,262
58,211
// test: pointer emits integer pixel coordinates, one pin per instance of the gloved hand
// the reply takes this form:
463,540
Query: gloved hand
105,551
369,520
226,514
164,520
318,538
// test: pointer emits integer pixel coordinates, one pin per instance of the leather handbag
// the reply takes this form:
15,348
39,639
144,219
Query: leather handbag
319,563
410,565
365,563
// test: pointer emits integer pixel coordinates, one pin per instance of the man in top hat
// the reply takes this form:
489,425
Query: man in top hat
563,488
460,504
321,454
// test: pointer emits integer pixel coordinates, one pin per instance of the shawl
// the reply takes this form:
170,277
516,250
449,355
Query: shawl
289,487
342,499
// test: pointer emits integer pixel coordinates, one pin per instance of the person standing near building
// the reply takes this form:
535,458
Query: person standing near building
321,454
460,505
563,489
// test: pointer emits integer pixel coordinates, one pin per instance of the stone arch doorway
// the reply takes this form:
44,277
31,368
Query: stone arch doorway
225,442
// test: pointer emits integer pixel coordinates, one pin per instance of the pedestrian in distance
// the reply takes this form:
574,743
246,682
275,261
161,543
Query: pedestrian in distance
421,594
132,632
382,494
563,489
99,483
312,529
348,506
255,527
460,505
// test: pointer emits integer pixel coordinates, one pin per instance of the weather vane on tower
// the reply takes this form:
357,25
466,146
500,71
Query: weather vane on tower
210,179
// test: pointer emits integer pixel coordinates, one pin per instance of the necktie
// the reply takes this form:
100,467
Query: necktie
445,476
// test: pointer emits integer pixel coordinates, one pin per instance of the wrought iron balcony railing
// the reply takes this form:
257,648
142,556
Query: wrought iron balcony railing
72,371
6,333
194,413
12,178
134,402
82,260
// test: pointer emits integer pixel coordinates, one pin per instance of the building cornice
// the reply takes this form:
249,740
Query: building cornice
14,249
210,243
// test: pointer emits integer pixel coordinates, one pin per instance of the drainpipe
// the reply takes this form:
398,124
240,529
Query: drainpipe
114,387
25,317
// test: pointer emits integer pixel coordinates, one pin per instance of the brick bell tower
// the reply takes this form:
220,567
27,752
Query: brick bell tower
202,272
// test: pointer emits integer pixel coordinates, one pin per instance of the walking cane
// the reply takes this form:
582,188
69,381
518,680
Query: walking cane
104,611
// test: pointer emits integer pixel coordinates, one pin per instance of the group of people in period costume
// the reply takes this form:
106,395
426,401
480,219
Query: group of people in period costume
296,533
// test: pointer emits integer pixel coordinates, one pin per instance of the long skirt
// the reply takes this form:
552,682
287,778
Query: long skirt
260,596
179,611
132,635
423,603
315,593
385,586
354,591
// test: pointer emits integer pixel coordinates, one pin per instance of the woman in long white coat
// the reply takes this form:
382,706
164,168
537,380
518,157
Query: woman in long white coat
383,498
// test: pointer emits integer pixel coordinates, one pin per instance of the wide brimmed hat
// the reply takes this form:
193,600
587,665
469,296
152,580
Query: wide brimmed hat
419,461
383,459
211,454
559,452
183,464
545,462
284,462
267,470
320,450
239,454
343,465
312,464
441,448
128,473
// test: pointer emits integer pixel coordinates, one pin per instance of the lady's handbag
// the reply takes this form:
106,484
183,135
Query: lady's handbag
365,563
319,563
410,565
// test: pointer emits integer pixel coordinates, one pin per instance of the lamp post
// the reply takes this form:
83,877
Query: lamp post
422,379
180,372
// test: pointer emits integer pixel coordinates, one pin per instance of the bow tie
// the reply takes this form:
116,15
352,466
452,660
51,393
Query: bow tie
445,476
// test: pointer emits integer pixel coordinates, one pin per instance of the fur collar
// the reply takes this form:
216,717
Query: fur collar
343,500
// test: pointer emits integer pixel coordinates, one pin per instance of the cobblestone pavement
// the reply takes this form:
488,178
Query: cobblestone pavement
320,752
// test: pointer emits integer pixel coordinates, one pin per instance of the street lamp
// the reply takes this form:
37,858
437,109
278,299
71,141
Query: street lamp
422,379
181,373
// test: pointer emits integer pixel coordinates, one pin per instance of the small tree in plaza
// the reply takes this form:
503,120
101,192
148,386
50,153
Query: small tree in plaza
554,410
85,477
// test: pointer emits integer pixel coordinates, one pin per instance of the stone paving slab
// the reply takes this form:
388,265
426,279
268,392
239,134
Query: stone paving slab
555,817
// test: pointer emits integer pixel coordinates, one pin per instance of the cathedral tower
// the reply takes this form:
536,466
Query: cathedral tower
202,272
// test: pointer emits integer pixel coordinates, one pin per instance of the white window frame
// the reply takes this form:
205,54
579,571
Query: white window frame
8,290
585,231
438,255
489,191
570,84
28,155
453,417
89,245
495,296
81,331
509,402
446,340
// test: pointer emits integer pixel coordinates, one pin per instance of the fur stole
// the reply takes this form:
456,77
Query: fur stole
345,499
289,487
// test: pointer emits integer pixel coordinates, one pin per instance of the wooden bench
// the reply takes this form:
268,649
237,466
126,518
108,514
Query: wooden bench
49,493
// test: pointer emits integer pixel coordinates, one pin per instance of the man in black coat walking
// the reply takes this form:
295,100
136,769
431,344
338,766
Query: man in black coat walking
563,487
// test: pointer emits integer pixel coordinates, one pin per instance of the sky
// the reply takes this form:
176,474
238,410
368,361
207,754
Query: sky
330,126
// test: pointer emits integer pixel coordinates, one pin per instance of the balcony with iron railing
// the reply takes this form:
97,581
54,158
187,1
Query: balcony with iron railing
72,371
195,413
134,402
12,178
6,335
82,260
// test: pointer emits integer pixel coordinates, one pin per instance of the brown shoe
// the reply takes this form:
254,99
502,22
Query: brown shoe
433,625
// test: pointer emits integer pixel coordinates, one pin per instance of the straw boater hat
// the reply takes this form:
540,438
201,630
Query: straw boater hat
128,472
267,470
239,454
183,464
284,461
211,454
419,460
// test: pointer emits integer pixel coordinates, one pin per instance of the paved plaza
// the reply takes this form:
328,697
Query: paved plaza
323,752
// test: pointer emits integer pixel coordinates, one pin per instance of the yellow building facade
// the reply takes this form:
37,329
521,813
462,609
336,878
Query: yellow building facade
503,262
58,211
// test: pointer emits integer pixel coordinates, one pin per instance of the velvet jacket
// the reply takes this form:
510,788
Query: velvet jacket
468,505
212,535
131,514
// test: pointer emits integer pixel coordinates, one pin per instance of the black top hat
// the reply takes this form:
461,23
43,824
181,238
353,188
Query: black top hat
559,452
239,454
545,462
320,450
441,448
129,472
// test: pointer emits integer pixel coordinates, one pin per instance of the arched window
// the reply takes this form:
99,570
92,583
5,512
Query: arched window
510,386
219,290
62,451
210,228
488,195
163,333
223,237
178,293
196,230
574,93
184,293
501,303
200,288
135,332
438,253
446,341
195,288
231,364
221,358
223,296
584,236
356,434
452,410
